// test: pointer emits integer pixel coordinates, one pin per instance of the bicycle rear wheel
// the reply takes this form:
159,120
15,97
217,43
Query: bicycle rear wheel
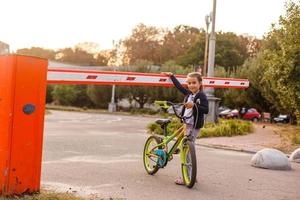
189,164
149,158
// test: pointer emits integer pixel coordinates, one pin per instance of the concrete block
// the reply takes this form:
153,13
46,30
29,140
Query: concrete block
295,156
271,159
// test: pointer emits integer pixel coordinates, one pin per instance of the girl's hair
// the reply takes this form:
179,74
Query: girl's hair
199,78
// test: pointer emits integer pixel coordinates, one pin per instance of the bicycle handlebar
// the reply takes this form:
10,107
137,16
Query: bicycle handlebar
167,104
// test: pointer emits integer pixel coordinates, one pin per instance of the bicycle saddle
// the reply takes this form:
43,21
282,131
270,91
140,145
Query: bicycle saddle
163,121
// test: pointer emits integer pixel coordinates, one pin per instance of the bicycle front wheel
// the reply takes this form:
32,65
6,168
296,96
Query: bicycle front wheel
189,164
149,158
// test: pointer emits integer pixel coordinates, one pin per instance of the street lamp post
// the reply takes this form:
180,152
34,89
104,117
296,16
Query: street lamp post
112,107
213,101
212,45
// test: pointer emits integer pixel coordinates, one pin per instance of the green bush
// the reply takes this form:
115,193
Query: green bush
156,128
223,128
64,94
229,128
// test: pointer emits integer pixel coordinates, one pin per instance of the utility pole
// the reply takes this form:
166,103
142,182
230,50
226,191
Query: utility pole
213,102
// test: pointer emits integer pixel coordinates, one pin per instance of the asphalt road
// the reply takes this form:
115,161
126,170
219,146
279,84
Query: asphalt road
101,155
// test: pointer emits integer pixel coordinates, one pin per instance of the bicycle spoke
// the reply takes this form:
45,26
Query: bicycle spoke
187,165
151,155
152,159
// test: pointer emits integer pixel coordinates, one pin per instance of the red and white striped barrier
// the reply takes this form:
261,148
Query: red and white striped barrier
71,76
68,76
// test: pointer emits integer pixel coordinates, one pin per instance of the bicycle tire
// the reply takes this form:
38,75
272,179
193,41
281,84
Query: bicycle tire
146,158
189,177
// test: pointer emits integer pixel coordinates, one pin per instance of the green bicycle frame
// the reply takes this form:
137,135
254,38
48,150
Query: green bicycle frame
180,134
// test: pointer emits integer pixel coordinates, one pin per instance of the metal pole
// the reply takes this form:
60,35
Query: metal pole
205,56
113,92
112,107
207,21
212,44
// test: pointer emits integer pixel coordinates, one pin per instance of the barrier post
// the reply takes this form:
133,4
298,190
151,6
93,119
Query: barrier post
22,104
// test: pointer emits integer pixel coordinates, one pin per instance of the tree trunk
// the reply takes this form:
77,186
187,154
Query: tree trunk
141,105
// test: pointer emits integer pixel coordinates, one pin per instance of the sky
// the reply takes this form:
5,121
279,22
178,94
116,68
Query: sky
64,23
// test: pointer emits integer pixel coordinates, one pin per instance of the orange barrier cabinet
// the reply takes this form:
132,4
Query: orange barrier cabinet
22,104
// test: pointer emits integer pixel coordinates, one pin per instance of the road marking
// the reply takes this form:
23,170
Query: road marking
98,160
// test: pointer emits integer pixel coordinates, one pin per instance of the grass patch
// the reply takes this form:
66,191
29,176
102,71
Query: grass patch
289,135
155,128
52,195
223,128
129,111
296,138
295,135
64,108
45,195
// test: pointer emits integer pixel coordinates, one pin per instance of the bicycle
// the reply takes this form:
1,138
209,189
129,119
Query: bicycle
156,154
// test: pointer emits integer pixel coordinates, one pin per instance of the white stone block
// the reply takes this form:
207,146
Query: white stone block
271,159
295,156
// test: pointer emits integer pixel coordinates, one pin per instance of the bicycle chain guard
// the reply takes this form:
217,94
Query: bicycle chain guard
162,157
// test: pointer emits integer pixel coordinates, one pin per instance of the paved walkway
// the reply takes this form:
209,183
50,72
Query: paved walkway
262,137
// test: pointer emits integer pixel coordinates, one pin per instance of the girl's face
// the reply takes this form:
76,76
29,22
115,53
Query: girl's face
193,84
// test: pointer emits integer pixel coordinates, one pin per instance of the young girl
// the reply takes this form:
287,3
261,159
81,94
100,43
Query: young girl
195,104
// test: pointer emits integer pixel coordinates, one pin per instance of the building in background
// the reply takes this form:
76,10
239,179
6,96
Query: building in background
4,48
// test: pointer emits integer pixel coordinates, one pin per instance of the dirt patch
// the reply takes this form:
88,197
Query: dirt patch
289,135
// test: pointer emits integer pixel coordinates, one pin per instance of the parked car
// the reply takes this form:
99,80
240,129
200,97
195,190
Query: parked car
222,108
251,114
233,114
224,113
282,119
244,113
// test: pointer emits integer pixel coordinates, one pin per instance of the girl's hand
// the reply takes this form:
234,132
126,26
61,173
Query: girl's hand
167,73
189,105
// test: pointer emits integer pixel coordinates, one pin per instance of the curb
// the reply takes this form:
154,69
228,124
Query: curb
226,148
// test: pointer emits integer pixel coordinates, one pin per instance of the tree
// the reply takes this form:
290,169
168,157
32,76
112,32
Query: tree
169,93
82,98
100,95
143,44
195,54
177,41
275,70
89,47
64,94
49,97
282,63
231,51
38,52
140,94
98,57
75,56
249,97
